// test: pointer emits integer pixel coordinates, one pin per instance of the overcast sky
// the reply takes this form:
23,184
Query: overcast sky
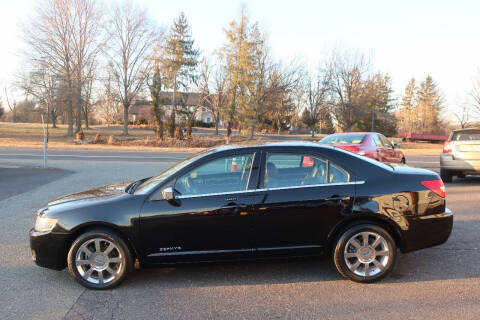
402,38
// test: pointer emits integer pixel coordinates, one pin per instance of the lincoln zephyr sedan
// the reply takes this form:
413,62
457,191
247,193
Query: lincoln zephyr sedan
247,202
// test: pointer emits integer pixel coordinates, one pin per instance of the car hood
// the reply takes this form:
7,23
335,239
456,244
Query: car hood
102,192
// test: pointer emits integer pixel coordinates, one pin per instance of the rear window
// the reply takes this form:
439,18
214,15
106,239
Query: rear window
344,139
466,135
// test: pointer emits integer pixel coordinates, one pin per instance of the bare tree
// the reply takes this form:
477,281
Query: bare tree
108,106
204,95
12,106
218,99
132,36
87,41
49,38
282,86
475,94
464,114
43,84
317,95
348,71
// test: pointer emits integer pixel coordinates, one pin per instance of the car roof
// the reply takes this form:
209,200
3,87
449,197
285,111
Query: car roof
466,129
270,144
345,133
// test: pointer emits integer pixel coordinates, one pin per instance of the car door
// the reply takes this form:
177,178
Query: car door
390,151
303,195
382,152
210,217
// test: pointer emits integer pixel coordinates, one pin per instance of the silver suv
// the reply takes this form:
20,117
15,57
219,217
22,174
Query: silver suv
461,154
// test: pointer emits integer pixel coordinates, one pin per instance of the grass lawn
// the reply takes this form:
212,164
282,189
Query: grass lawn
31,135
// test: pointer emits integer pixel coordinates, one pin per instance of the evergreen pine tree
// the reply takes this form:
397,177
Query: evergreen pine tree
180,61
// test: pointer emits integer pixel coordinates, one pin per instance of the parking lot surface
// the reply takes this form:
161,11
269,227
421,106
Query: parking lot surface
441,282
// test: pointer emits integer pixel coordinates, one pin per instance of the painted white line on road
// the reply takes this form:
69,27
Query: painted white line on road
435,162
92,156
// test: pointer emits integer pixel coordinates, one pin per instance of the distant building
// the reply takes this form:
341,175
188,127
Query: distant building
142,108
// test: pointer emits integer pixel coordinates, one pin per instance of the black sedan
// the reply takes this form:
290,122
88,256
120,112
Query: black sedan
247,202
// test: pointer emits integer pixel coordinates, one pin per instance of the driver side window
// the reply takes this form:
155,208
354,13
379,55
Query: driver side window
227,174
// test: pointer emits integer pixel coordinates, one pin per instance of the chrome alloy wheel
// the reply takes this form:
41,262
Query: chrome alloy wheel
366,254
99,261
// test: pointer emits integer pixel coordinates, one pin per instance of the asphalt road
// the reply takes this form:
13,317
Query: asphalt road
441,282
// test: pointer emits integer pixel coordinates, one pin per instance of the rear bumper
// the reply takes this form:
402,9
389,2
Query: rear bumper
427,231
49,250
449,162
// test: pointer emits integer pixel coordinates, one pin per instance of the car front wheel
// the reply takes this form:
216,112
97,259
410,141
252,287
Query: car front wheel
365,253
99,259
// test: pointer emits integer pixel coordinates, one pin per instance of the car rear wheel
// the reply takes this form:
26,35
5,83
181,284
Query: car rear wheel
446,175
365,253
99,259
403,161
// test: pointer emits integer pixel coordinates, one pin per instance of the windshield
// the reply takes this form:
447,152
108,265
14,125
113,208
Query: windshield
151,183
344,139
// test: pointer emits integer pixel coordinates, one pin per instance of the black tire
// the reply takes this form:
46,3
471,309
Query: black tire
120,253
446,175
403,161
386,261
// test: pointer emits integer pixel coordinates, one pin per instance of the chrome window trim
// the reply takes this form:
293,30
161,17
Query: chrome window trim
270,189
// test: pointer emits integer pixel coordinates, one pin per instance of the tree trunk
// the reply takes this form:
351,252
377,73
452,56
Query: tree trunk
313,132
125,120
189,128
174,110
14,114
159,129
172,124
79,111
229,129
178,133
54,119
252,132
86,119
70,117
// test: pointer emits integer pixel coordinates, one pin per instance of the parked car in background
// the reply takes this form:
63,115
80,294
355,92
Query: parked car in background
461,154
369,144
247,202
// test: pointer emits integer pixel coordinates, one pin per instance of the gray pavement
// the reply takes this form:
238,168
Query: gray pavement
441,282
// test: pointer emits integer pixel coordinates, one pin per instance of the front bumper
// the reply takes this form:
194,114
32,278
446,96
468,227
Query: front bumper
427,231
450,162
49,249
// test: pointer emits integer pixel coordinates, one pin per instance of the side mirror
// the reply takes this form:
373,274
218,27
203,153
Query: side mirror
168,194
395,145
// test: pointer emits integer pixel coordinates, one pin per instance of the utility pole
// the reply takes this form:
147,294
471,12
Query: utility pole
45,142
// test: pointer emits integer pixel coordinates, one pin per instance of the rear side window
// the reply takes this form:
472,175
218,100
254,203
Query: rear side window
469,135
344,139
294,170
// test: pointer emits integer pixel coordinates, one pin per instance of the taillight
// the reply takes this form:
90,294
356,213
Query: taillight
348,148
436,186
447,146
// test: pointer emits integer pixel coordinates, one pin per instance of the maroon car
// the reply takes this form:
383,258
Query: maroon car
370,144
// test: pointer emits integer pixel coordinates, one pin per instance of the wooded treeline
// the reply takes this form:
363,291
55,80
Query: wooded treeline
83,57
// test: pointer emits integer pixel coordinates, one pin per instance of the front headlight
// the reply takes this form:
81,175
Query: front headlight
43,224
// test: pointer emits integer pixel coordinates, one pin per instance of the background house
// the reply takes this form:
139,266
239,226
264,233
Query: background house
141,108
